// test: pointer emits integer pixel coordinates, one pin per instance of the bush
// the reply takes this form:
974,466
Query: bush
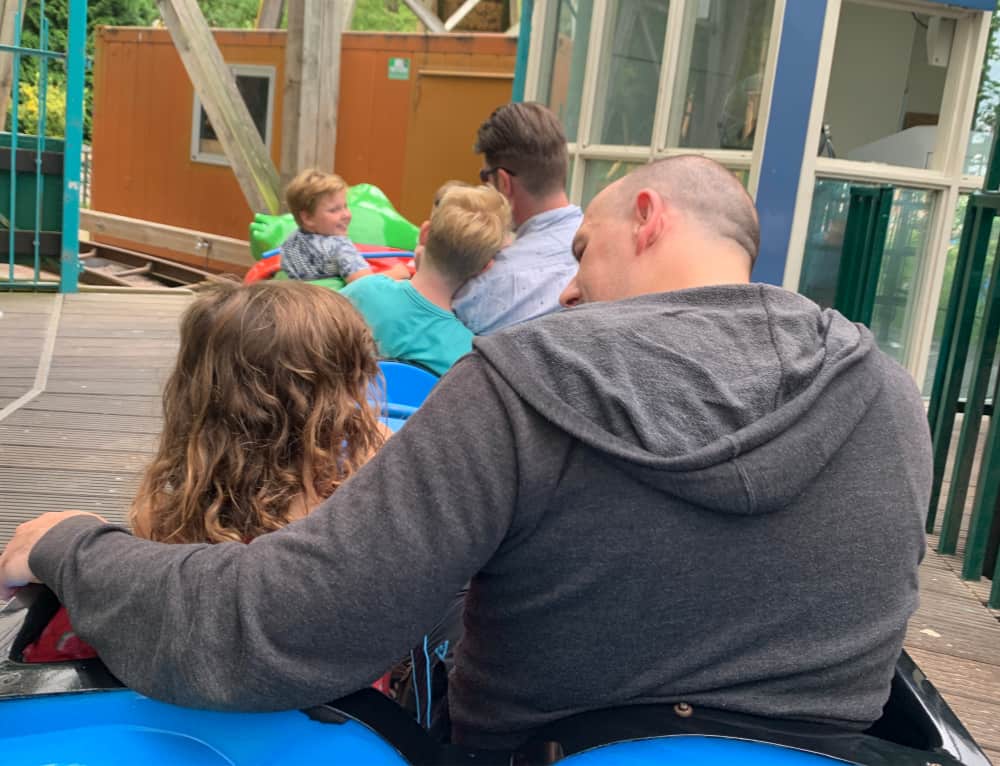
28,111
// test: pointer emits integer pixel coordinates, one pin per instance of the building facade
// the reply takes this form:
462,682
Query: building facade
803,100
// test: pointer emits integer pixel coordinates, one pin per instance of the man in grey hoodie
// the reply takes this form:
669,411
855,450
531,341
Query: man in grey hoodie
689,488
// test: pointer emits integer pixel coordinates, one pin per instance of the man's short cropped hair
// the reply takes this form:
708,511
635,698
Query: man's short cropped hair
705,190
305,190
468,227
526,139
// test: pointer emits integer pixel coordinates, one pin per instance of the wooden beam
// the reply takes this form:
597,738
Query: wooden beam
427,18
269,14
349,14
463,10
186,241
7,10
312,86
216,87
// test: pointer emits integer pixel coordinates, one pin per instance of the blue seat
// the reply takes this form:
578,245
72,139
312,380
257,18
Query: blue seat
406,386
693,750
117,727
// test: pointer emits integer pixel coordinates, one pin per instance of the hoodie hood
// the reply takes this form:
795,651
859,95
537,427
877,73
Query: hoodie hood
730,397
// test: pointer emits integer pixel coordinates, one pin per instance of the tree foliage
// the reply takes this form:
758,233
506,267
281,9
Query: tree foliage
988,96
381,16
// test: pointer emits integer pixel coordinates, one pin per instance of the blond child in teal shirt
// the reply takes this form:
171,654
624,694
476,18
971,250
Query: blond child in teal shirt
413,320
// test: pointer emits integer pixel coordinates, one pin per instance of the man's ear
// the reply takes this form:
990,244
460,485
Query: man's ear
504,183
425,227
648,219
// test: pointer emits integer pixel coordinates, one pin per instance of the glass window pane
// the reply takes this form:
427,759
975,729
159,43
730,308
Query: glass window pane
885,93
630,73
717,94
255,90
988,99
949,273
566,59
824,240
905,251
905,248
599,173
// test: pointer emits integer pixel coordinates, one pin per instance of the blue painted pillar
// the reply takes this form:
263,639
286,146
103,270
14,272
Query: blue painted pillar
787,137
76,60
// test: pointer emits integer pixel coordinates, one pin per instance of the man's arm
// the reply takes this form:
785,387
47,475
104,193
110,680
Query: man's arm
320,608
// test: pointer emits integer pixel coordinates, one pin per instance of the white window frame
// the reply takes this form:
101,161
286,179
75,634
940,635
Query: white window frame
249,70
945,176
582,150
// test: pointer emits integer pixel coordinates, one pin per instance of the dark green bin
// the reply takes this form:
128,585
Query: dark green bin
50,228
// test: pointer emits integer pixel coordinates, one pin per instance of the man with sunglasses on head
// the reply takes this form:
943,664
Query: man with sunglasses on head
525,158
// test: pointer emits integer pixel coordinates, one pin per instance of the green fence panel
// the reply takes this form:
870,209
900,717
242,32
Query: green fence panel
965,452
959,321
40,176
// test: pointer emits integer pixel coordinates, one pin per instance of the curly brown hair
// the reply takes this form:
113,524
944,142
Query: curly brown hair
266,413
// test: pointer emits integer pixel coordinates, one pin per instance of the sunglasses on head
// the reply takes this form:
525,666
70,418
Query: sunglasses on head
485,173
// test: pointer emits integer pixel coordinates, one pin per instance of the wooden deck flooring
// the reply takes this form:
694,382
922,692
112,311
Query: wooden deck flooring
84,439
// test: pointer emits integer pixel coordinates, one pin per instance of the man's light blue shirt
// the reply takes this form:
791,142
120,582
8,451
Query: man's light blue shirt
527,276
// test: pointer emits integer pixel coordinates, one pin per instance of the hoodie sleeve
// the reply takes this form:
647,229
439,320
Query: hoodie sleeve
320,608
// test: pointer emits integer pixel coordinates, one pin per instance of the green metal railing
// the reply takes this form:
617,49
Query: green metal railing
981,542
42,214
864,246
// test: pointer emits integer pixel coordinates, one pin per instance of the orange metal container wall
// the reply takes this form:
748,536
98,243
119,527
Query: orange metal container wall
405,136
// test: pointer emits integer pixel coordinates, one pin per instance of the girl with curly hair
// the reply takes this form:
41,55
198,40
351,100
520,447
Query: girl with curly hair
266,413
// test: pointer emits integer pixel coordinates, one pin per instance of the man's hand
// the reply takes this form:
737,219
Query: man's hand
14,570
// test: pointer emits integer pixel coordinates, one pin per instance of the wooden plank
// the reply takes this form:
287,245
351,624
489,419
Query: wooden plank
84,459
269,14
148,406
84,421
188,241
312,86
426,17
954,675
113,387
216,87
98,441
456,18
55,480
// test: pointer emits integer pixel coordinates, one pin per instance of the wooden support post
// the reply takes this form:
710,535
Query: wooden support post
427,18
7,10
269,14
456,18
349,14
216,87
312,86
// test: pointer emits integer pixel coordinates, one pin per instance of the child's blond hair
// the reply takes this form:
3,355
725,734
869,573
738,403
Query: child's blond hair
305,190
443,188
468,227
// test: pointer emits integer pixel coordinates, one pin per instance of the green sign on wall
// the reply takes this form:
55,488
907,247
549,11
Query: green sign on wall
399,69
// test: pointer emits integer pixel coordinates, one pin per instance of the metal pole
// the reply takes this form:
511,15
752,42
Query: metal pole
76,52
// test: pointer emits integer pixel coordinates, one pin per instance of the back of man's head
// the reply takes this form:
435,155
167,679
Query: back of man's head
703,190
468,227
526,139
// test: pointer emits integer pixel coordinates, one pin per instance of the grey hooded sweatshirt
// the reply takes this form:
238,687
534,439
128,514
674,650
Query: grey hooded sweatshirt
713,496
